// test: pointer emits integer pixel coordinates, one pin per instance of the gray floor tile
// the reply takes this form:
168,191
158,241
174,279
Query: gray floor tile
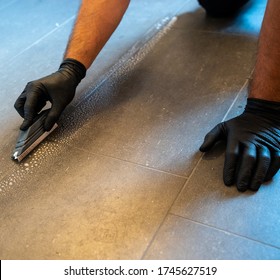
29,67
38,59
69,201
85,207
24,22
181,86
205,199
180,238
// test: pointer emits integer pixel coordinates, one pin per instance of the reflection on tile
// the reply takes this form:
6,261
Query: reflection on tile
85,207
179,238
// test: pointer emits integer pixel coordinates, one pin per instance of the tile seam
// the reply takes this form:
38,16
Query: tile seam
226,231
182,6
189,178
42,38
201,157
168,211
130,162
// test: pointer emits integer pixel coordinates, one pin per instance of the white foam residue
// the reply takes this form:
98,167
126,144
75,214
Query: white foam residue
74,123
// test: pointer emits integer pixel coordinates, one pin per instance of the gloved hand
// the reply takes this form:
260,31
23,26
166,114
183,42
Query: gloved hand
253,144
58,88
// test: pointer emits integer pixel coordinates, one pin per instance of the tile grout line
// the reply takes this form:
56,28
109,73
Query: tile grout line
189,178
142,165
199,160
235,99
139,48
168,210
182,7
225,231
131,162
42,38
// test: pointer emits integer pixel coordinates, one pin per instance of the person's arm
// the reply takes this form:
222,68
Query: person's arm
95,23
253,138
266,78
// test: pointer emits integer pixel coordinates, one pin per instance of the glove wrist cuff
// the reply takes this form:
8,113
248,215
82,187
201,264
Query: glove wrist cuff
75,67
263,107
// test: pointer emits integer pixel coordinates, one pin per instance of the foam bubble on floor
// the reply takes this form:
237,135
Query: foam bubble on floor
74,122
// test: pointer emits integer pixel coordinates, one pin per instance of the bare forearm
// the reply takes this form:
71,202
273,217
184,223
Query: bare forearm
96,21
266,79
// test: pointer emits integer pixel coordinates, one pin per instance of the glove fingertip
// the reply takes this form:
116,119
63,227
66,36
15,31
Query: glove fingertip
211,138
205,147
209,142
229,173
255,186
48,125
228,181
50,122
25,125
20,109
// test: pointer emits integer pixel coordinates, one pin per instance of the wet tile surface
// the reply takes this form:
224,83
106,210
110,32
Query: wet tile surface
184,239
32,59
157,117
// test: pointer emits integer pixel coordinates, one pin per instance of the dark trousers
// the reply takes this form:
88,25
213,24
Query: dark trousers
221,8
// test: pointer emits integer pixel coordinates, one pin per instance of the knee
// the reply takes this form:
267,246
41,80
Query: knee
222,8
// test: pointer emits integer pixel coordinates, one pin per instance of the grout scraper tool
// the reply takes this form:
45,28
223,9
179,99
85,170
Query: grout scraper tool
32,137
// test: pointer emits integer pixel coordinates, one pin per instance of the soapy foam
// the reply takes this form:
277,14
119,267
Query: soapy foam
96,97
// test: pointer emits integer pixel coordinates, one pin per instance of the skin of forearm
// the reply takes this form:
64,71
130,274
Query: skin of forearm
266,78
95,23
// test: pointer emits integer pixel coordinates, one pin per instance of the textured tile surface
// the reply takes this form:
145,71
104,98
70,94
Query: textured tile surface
160,114
252,215
183,239
112,182
37,49
86,207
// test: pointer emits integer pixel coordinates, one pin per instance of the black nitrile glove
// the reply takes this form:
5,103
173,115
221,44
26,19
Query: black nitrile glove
58,88
253,144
